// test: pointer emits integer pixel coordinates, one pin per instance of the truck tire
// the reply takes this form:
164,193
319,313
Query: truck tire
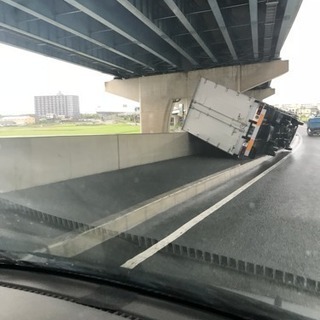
309,132
253,153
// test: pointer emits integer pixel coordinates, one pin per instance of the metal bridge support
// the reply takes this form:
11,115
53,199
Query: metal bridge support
156,94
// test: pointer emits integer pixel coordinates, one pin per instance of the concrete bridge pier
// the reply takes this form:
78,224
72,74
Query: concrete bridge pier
157,94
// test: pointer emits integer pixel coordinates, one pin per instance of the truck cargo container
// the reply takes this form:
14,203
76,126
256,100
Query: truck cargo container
236,123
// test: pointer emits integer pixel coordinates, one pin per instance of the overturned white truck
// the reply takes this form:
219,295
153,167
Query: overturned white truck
238,124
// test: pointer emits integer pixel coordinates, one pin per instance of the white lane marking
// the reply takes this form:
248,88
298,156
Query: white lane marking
135,261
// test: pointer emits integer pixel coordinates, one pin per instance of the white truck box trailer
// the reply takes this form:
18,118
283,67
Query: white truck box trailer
236,123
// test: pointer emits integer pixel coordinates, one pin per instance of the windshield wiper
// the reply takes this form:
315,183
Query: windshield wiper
6,258
35,260
18,258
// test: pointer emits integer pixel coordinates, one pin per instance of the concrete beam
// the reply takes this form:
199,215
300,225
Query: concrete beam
260,94
253,75
156,94
128,88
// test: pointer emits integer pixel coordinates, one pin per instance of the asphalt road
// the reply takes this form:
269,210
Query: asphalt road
275,222
90,198
95,197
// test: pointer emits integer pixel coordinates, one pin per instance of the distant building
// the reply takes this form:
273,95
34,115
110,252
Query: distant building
304,111
16,120
58,106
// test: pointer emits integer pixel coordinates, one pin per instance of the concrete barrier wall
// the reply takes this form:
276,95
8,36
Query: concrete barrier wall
34,161
147,148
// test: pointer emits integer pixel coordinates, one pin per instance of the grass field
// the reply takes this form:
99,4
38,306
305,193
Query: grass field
67,130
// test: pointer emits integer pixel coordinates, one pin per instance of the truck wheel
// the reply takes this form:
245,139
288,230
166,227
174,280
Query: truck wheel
252,153
269,149
310,134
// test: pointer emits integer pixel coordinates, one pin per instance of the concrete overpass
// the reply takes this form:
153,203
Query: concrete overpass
158,50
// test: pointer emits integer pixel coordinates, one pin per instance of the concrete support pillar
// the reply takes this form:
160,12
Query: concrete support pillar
156,94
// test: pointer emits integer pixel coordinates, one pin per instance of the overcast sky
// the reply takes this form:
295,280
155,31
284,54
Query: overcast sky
301,84
25,74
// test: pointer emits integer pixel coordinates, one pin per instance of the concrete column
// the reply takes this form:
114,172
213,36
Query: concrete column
156,94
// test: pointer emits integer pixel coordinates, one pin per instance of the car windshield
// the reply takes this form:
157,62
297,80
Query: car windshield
164,144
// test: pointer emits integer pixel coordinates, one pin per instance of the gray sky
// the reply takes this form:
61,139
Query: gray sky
25,74
301,84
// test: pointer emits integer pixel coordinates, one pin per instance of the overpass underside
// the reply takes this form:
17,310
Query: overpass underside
159,49
157,94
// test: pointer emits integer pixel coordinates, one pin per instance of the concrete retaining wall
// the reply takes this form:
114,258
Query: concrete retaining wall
34,161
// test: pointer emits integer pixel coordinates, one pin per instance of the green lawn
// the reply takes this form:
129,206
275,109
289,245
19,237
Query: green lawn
68,129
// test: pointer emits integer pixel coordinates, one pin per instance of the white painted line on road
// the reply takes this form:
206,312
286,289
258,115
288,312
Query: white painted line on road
135,261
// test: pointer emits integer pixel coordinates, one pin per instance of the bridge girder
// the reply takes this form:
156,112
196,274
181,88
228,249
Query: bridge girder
156,94
129,38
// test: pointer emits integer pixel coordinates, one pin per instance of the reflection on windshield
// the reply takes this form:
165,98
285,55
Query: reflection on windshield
158,158
106,240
